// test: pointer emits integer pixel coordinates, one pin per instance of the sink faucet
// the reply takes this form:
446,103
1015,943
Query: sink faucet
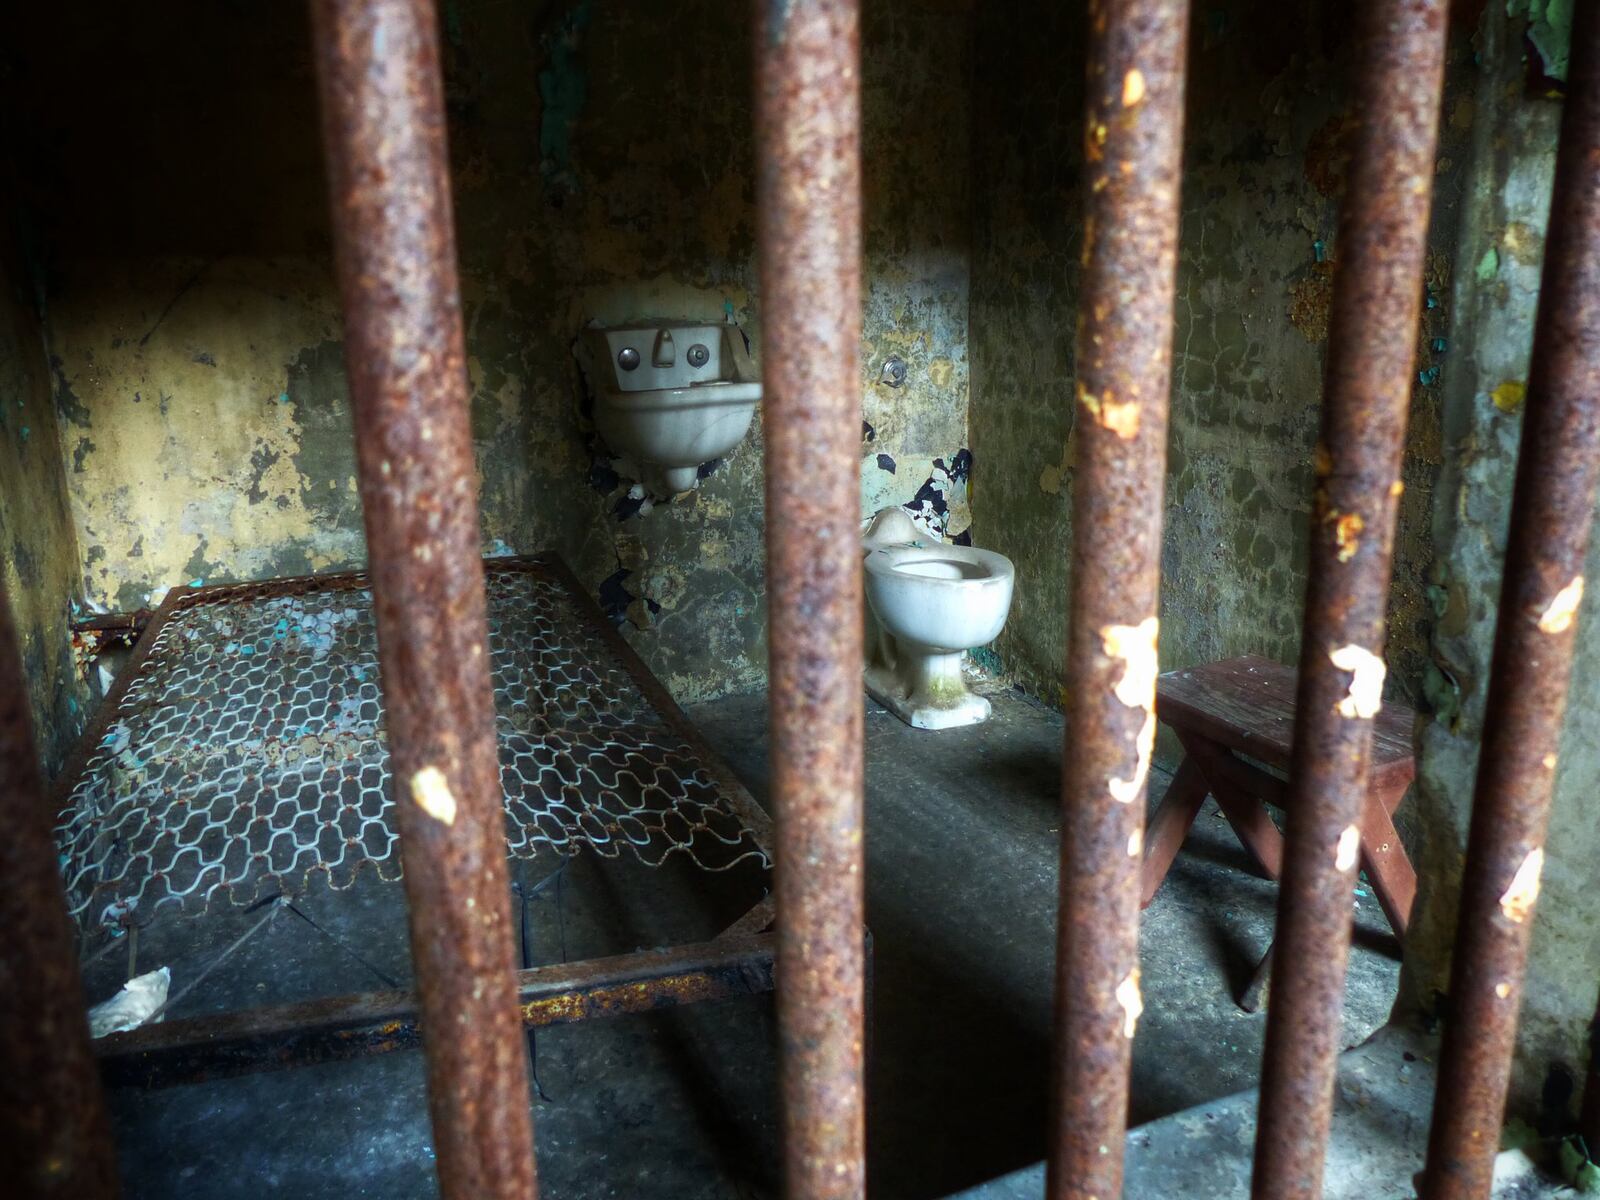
665,353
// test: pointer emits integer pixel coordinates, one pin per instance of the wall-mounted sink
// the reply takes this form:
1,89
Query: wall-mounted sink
670,394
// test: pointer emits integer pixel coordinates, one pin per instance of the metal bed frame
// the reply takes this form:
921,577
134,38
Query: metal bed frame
242,754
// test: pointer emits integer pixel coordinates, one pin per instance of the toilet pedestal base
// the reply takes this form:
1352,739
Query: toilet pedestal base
926,693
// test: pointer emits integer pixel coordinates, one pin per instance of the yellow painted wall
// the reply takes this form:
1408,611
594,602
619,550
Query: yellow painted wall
603,166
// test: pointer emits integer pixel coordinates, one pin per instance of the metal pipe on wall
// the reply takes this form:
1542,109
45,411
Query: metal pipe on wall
384,128
1377,295
55,1139
1552,510
808,122
1134,149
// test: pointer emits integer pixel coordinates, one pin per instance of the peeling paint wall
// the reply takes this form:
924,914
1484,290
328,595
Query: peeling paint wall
1265,152
1507,205
38,549
603,165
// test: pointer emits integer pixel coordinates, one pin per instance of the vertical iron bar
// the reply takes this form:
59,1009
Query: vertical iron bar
1377,295
807,69
1134,149
384,126
1535,637
55,1140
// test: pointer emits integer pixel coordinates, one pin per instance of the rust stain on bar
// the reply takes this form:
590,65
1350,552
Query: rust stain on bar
1551,513
807,72
55,1139
1376,301
383,123
1134,144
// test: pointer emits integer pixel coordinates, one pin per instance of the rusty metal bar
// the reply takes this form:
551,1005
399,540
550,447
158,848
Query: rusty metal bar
1134,147
1377,294
808,120
55,1139
222,1045
1552,510
384,127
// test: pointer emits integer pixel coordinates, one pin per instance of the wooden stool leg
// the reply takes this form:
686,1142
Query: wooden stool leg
1238,789
1256,990
1394,882
1170,825
1253,826
1393,879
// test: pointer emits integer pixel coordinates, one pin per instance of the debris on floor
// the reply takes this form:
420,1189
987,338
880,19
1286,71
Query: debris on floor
141,998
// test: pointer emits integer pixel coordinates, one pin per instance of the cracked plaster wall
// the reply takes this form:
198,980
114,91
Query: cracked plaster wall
1507,201
1265,154
603,167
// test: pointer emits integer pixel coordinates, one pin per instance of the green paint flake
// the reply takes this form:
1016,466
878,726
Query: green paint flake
1488,266
1549,29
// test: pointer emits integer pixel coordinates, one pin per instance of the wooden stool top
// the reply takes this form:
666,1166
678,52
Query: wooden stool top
1247,704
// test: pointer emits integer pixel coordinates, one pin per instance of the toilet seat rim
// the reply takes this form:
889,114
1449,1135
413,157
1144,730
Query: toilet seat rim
884,562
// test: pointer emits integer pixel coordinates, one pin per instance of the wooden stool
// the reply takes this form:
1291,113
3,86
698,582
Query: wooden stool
1245,706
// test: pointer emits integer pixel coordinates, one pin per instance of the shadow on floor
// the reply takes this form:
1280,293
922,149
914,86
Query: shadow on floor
961,895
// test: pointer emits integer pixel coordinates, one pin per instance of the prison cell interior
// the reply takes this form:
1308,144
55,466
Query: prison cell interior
428,631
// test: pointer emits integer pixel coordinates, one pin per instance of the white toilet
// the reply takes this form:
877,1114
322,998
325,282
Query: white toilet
930,603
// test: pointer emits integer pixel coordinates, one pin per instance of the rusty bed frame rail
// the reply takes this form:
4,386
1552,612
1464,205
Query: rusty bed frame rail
379,77
364,1023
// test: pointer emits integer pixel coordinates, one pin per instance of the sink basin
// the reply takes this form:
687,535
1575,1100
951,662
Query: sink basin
671,395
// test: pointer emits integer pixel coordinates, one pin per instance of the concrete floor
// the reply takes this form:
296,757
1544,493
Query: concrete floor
1382,1108
961,845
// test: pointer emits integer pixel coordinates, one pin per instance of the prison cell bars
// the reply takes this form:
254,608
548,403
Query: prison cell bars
1377,299
1133,144
394,241
378,72
808,137
1535,636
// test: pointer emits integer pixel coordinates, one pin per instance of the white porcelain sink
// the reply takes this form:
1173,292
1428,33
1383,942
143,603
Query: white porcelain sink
670,394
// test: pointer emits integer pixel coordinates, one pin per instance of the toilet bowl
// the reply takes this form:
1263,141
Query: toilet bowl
929,603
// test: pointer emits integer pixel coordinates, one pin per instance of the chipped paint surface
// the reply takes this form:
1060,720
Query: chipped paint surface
1563,609
1265,156
431,790
1348,852
1135,645
1132,88
1509,394
1364,700
1132,1002
1549,31
197,356
1347,534
1523,891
